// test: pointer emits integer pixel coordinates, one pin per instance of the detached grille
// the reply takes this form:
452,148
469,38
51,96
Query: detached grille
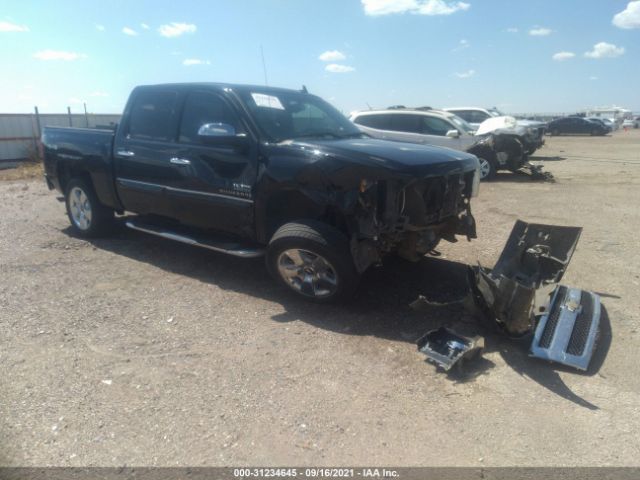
581,328
554,316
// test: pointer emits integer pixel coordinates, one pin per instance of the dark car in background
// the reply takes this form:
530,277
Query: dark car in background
601,121
576,126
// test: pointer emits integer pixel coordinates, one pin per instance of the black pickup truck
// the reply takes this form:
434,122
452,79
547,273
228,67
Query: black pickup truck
252,171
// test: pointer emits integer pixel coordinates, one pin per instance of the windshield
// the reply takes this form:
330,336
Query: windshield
293,115
462,124
495,112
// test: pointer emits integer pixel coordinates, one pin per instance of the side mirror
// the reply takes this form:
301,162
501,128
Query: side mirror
453,133
221,134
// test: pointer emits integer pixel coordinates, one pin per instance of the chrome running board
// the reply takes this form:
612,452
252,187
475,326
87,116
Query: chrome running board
235,249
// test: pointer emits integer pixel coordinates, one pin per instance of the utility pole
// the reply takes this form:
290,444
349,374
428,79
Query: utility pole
86,115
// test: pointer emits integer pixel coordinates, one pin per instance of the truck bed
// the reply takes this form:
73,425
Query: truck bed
87,150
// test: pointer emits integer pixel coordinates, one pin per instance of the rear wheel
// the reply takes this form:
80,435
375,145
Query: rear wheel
88,217
313,260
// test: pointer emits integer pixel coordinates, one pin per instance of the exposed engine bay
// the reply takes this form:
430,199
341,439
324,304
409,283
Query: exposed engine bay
409,219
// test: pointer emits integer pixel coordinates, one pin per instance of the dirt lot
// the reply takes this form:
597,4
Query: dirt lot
135,350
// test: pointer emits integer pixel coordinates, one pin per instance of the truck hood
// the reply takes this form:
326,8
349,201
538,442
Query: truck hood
403,158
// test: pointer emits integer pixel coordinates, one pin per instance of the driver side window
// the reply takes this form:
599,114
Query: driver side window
202,108
435,126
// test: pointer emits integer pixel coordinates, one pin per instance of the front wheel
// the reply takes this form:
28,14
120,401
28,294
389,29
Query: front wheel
313,260
88,217
487,169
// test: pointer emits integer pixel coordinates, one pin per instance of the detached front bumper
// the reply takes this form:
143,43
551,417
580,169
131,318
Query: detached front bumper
536,256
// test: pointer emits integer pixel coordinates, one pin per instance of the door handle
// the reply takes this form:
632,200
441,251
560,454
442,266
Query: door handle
180,161
125,153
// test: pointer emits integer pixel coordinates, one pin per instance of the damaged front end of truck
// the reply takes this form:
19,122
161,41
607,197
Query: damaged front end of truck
409,217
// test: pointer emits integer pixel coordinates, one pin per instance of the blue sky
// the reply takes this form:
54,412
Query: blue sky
377,52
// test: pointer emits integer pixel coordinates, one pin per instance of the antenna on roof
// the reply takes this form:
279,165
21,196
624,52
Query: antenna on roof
304,89
264,66
368,105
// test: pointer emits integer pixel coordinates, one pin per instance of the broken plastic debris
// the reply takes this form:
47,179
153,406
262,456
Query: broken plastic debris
446,348
107,382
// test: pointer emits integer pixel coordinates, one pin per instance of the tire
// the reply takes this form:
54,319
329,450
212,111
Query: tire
488,169
88,217
313,260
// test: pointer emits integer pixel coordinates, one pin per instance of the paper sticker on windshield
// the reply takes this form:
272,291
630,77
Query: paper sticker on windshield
267,101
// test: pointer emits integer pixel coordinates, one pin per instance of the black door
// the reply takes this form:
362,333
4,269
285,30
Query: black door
143,149
214,182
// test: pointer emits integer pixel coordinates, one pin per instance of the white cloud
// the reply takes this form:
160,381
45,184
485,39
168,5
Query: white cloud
562,56
629,17
74,100
420,7
604,50
540,31
175,29
512,30
58,55
100,28
129,31
593,77
12,27
462,44
337,68
144,26
188,62
332,56
467,74
98,94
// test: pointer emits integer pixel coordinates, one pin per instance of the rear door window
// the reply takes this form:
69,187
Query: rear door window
405,122
380,121
153,116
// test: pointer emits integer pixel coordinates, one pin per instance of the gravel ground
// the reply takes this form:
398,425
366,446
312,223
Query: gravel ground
139,351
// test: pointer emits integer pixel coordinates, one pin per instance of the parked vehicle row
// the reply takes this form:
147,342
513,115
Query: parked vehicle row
257,171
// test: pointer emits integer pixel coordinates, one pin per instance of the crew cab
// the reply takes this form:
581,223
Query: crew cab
252,171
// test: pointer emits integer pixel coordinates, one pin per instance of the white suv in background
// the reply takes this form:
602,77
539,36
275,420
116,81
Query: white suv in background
494,149
420,125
